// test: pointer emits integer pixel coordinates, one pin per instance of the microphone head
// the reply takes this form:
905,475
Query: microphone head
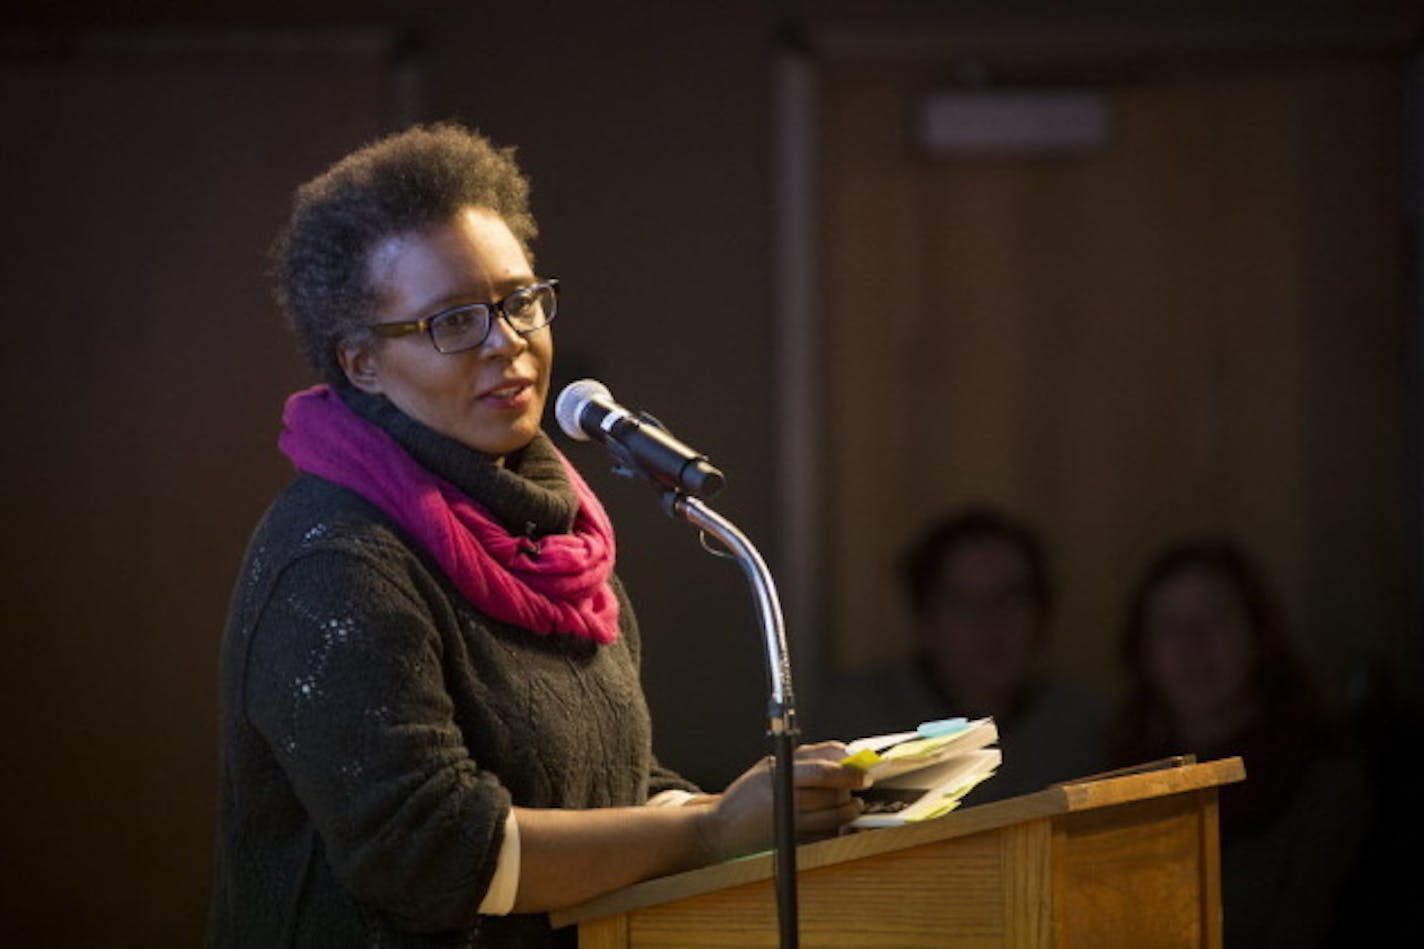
570,404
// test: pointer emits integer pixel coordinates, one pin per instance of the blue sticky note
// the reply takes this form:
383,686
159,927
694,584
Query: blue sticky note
945,726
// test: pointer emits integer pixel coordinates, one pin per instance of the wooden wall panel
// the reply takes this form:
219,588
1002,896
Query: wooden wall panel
1199,329
144,379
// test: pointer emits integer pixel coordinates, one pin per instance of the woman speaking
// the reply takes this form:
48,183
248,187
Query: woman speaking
432,725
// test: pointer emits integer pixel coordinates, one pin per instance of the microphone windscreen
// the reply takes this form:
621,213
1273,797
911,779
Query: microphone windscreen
570,403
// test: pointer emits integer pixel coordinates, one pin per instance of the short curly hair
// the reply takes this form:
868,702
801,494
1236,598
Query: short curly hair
392,186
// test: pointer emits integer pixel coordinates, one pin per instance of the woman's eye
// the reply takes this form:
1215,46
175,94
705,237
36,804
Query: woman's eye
456,322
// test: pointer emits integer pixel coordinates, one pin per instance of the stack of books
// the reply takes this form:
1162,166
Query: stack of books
924,773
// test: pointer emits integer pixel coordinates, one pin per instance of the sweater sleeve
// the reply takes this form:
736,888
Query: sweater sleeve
662,779
344,682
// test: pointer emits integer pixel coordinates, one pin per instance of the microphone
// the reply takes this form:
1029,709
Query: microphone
586,410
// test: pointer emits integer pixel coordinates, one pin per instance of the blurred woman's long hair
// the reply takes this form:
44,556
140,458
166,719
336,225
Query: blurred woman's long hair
1278,677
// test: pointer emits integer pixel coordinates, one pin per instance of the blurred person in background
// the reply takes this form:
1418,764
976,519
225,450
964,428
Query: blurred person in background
977,582
1212,673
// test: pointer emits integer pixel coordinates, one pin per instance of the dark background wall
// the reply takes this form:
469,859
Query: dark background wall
149,157
147,161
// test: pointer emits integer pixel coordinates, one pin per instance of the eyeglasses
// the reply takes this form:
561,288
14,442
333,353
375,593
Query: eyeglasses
468,325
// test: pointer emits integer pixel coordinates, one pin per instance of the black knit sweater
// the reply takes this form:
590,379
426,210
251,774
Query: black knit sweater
376,728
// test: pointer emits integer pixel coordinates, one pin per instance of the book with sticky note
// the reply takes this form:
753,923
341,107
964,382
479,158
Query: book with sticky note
922,774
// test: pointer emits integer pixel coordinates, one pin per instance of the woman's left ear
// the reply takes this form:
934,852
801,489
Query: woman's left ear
358,360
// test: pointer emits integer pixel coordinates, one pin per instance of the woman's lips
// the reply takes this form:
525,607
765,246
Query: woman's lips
517,394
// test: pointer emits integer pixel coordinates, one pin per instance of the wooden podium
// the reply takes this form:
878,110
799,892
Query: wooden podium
1126,859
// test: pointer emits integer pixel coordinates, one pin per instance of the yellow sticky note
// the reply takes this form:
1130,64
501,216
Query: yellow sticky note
864,759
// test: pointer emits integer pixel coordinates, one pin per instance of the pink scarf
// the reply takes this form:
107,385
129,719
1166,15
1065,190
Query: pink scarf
558,586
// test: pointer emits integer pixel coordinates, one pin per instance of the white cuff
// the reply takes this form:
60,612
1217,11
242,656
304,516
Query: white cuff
670,798
504,885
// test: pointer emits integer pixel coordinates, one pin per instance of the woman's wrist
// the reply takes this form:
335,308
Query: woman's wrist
706,822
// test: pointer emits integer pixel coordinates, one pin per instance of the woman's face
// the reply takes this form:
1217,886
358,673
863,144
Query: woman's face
1198,646
491,397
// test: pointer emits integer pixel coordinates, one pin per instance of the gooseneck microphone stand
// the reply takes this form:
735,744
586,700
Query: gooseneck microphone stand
681,498
781,710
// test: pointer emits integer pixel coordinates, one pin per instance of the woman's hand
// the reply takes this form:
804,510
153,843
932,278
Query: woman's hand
567,856
741,819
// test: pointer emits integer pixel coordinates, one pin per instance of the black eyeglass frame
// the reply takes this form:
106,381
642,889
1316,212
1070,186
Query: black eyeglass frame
426,324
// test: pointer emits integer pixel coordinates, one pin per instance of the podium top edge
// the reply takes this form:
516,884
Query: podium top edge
1096,791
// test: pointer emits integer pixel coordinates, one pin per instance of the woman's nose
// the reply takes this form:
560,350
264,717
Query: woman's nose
502,339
